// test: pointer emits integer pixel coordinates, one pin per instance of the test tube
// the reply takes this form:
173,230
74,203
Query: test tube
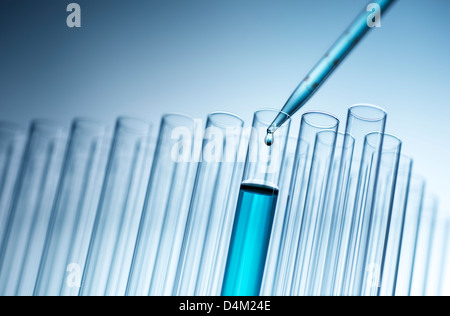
408,249
436,268
424,246
255,209
377,216
326,244
363,208
312,124
117,219
362,120
28,219
12,140
390,266
267,288
312,224
218,270
73,212
165,210
210,204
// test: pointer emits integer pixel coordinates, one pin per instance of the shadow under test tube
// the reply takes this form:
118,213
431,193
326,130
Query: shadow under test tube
165,210
373,243
73,212
314,213
117,219
362,120
312,124
391,261
267,288
27,222
410,236
210,204
255,209
12,141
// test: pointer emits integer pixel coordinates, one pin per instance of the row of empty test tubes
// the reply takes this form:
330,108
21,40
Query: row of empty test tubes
82,213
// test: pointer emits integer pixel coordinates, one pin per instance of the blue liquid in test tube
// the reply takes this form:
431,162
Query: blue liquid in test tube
250,240
255,209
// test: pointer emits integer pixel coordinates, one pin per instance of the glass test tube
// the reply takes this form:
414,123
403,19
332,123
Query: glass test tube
27,222
117,219
218,270
73,212
436,268
391,261
255,209
377,216
325,243
424,246
210,204
267,288
363,210
362,120
12,139
312,124
315,214
165,210
341,171
410,236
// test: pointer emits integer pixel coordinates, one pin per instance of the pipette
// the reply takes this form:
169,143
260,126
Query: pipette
329,62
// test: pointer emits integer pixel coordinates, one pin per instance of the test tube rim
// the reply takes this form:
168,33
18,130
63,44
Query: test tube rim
286,122
93,126
124,123
225,113
418,181
402,163
12,127
419,178
319,139
395,146
345,144
47,126
355,107
166,118
12,131
432,201
320,126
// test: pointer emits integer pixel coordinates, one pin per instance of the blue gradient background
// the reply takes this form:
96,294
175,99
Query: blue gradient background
145,58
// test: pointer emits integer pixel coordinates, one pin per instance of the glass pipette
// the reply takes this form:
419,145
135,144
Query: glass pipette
329,62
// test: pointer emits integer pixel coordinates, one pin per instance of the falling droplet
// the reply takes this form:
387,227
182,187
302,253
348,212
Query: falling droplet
269,139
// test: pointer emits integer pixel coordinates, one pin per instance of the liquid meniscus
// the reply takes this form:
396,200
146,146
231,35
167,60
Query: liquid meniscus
250,240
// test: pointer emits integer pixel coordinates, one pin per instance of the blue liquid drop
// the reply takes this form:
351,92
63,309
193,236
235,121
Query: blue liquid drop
269,139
